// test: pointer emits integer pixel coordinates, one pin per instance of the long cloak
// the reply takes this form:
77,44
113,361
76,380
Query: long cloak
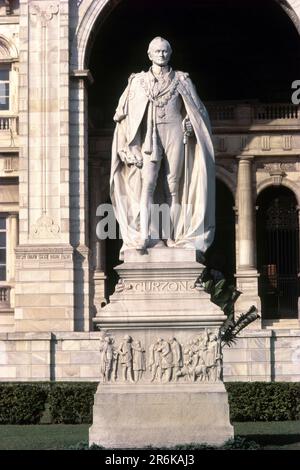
197,191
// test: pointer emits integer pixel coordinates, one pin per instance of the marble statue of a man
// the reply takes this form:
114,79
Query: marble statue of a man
162,153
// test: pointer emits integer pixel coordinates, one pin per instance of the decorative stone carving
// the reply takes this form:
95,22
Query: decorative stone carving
276,171
199,360
45,227
154,286
122,285
107,356
265,142
283,167
125,358
161,360
138,360
202,359
287,143
44,12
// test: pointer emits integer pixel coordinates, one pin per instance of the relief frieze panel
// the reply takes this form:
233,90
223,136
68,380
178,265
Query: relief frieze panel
199,360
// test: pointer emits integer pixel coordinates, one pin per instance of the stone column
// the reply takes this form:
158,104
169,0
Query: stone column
247,276
246,255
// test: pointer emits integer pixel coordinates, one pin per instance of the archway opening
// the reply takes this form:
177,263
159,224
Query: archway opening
278,253
234,51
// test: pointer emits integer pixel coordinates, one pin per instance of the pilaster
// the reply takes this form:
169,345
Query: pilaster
45,260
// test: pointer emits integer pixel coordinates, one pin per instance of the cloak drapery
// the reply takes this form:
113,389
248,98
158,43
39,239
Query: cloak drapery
197,190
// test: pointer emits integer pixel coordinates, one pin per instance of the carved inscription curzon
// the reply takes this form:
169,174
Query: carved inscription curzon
155,286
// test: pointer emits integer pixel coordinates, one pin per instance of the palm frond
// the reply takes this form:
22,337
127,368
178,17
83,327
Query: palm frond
232,328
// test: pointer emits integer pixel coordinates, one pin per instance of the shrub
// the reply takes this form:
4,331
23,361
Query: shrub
22,403
263,401
71,403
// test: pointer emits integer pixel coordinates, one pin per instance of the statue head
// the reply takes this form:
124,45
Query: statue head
159,51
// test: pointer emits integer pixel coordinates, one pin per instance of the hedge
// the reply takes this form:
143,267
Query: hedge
72,402
264,401
22,403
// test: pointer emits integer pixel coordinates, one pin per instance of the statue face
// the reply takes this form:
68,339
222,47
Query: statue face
160,53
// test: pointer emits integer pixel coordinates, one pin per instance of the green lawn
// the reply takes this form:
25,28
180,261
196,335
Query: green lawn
45,436
273,435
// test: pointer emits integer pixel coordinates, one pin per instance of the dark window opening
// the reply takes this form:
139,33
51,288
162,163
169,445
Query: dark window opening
4,88
278,253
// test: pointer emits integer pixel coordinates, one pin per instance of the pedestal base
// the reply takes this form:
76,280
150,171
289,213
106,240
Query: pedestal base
137,416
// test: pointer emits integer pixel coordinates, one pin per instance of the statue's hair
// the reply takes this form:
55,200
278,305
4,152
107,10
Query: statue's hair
159,38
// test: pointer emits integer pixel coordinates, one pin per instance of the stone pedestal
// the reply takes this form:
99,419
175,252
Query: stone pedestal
157,289
160,356
160,415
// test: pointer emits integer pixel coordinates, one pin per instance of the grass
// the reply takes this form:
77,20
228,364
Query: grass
42,437
271,435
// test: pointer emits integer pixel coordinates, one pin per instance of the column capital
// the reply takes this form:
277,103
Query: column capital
247,158
84,74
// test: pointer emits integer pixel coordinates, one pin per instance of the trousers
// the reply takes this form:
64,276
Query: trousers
171,150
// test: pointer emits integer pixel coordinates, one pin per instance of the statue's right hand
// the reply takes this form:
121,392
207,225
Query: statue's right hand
130,159
138,161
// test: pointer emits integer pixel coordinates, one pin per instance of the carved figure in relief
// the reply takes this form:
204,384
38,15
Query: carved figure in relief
166,360
200,360
125,358
155,360
177,357
139,364
106,357
213,358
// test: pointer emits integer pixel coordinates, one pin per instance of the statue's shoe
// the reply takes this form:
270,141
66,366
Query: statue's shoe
170,243
156,244
142,245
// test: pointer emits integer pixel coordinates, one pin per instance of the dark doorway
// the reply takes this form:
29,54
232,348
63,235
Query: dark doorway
221,254
278,253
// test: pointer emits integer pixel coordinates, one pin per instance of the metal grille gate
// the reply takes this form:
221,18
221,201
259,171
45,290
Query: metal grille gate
278,253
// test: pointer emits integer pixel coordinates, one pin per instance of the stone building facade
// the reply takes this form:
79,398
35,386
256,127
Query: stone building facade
54,172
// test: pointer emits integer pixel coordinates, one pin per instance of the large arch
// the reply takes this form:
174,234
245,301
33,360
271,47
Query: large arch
90,16
90,11
286,182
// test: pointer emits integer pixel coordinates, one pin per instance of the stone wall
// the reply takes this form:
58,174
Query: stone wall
257,356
